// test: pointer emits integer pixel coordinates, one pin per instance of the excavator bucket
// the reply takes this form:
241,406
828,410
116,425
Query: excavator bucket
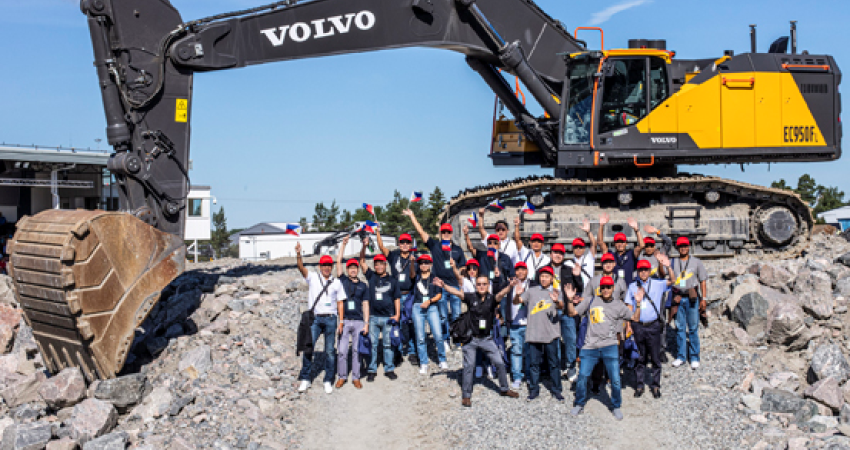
86,280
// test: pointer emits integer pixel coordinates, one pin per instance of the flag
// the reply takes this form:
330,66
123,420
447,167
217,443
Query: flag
528,208
447,245
368,226
292,229
415,197
496,204
369,208
473,219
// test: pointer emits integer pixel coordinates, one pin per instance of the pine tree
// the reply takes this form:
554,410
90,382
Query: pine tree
303,224
830,198
220,238
781,185
807,188
320,214
436,202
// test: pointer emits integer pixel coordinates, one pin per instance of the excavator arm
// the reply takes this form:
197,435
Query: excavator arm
88,279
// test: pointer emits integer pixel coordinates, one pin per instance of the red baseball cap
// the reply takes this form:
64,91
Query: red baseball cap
537,237
472,262
325,260
648,240
521,264
559,248
352,262
644,264
377,258
424,257
493,237
620,237
405,237
683,242
546,269
446,227
578,242
608,257
606,281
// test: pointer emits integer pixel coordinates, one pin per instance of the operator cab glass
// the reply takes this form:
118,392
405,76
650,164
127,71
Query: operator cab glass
579,108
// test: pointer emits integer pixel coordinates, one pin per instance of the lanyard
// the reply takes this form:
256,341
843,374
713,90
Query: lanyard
505,246
353,290
682,273
621,260
407,263
537,261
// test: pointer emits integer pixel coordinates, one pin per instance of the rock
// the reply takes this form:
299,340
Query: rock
65,389
63,444
196,362
25,390
28,412
828,361
178,443
122,392
111,441
827,392
781,401
751,312
91,419
806,412
798,443
842,287
774,276
783,380
844,259
31,436
785,323
751,401
814,289
10,319
5,422
154,405
844,414
179,404
742,336
747,382
803,339
827,421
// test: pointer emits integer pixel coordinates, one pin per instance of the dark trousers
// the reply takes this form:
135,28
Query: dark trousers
648,340
536,353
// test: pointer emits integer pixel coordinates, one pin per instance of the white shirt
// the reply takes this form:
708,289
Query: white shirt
507,247
515,308
587,263
334,294
533,262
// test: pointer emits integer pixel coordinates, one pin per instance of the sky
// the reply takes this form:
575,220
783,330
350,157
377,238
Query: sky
272,140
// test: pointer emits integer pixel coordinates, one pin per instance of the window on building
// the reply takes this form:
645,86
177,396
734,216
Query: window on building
195,207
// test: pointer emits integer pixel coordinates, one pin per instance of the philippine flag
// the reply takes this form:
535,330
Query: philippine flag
369,208
473,219
292,229
368,226
497,205
447,246
528,208
415,197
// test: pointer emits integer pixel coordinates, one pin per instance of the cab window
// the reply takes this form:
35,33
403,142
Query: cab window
624,94
658,89
579,103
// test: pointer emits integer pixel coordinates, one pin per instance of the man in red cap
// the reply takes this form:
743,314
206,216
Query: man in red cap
689,292
566,275
625,259
354,314
533,258
604,318
442,251
584,255
652,249
495,264
324,292
403,269
426,297
516,320
646,297
384,305
506,244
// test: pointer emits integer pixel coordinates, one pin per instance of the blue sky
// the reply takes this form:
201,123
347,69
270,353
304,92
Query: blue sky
272,140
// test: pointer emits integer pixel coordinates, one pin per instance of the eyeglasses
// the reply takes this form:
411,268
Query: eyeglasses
642,269
650,245
422,263
607,287
492,241
405,242
445,232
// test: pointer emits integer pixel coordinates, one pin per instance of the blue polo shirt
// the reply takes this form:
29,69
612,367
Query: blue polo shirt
627,263
654,289
383,292
357,293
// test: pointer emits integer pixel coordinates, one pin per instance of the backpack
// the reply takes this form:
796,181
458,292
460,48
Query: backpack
461,329
304,338
581,333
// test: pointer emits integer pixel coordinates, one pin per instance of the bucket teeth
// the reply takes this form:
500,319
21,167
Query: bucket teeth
86,280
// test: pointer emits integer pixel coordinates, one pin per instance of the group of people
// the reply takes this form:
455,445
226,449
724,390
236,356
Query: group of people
562,317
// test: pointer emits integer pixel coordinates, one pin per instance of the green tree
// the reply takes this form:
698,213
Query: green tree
781,185
807,188
320,215
346,219
829,198
431,213
220,238
303,224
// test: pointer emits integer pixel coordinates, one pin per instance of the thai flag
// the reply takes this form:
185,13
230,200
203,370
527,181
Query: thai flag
292,229
369,208
496,204
415,197
528,208
473,219
447,245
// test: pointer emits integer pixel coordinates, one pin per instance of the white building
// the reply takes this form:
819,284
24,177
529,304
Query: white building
839,217
269,240
198,218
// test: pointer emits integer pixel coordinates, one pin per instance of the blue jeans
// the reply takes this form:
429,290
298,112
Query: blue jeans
687,325
446,318
537,353
432,315
325,326
518,351
378,325
409,346
610,356
569,326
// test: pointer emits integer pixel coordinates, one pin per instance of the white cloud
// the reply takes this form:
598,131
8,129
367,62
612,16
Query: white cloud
604,15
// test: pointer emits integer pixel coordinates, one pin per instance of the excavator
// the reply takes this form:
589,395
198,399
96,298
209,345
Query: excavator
615,124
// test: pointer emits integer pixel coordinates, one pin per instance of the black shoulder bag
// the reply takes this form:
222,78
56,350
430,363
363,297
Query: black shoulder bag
304,340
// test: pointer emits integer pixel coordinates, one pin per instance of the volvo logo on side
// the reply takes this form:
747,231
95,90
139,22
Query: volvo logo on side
320,28
663,140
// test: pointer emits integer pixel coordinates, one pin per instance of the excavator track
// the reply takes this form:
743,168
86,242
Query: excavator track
738,218
86,280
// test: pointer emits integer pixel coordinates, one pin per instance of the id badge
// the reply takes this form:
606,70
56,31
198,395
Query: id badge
401,278
425,299
379,297
682,284
482,324
351,305
447,264
328,304
621,273
492,274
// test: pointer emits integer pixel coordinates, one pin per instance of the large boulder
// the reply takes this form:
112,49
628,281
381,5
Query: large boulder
775,276
827,392
91,419
785,322
65,389
24,390
30,436
751,312
828,361
780,401
122,392
814,289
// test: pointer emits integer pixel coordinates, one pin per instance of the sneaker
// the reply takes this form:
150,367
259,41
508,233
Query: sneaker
695,365
617,414
413,360
391,375
572,375
329,388
303,386
576,411
532,395
516,385
638,392
479,372
677,362
444,365
558,396
423,369
656,392
370,378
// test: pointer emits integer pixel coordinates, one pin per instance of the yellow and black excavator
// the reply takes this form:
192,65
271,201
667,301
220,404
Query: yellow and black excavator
616,124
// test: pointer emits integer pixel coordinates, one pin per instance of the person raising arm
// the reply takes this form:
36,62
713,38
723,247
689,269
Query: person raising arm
301,267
